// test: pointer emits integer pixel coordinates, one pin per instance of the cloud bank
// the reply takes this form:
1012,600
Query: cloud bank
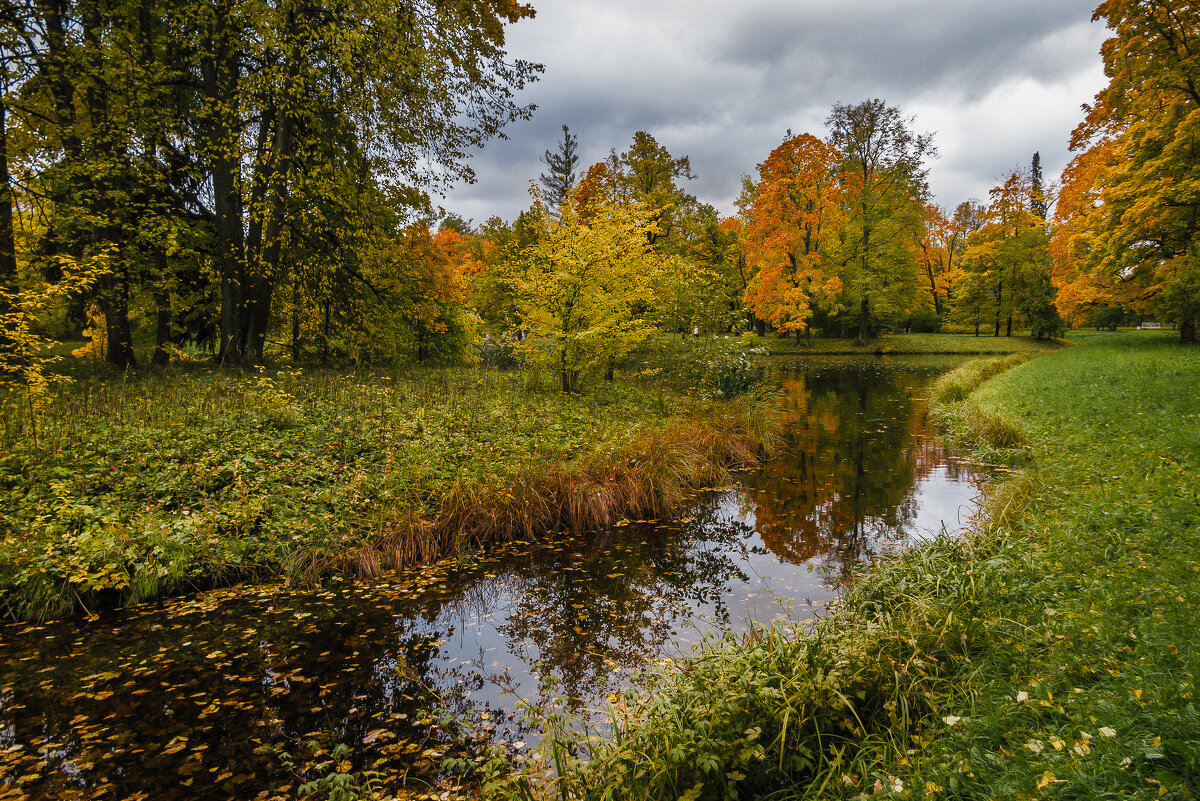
723,82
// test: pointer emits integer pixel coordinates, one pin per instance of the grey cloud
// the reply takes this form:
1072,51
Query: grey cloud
722,82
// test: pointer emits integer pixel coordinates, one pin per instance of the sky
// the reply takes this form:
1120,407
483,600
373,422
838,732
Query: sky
722,82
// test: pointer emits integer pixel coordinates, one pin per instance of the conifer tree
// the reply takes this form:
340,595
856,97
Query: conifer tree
560,179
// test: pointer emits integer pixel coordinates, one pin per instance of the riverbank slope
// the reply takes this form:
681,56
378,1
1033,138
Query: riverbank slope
1052,654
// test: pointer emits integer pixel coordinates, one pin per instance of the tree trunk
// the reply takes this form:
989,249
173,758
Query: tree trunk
295,321
114,302
1008,327
8,254
864,311
162,303
1187,330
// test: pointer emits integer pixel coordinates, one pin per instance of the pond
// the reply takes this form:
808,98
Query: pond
243,691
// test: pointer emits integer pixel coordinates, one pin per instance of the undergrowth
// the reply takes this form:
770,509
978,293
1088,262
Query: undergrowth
1051,654
125,488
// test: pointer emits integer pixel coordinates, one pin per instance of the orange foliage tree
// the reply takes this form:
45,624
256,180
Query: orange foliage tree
1138,195
795,215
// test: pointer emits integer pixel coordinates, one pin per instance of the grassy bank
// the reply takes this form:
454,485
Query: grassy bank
1053,654
128,488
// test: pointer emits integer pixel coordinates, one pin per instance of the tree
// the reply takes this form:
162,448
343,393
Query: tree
1009,256
1037,190
583,285
1144,231
560,180
795,215
211,128
646,173
884,175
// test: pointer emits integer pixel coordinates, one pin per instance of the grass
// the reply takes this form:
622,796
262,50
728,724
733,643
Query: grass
1053,654
910,344
126,488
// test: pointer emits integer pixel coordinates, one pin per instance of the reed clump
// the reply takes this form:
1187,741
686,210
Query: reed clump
651,475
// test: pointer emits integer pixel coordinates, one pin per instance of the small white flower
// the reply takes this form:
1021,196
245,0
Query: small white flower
1022,697
1108,731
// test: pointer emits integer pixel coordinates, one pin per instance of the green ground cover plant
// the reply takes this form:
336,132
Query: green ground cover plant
1051,654
129,487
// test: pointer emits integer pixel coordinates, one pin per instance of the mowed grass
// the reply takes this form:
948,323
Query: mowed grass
127,488
1054,654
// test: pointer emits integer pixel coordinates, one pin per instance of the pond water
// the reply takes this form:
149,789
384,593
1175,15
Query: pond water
241,692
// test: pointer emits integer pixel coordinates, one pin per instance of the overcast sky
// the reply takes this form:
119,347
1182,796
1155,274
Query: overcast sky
722,82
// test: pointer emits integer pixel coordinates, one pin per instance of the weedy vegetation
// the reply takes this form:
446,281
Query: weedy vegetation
125,488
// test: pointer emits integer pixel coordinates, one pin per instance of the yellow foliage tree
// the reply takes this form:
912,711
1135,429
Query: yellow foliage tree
586,286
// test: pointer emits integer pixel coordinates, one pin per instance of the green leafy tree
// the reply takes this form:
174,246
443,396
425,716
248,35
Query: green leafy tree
884,177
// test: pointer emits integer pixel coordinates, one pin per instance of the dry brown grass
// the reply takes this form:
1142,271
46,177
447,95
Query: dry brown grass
655,476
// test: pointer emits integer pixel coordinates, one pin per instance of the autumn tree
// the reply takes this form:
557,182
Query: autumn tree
1143,237
884,183
942,244
583,286
795,216
1084,288
1009,259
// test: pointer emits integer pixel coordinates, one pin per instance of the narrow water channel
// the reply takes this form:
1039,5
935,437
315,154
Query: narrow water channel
240,692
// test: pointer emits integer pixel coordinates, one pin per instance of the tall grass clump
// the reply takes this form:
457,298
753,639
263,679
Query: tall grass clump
993,438
1053,653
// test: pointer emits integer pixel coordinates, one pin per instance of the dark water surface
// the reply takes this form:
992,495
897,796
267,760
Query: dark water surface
242,692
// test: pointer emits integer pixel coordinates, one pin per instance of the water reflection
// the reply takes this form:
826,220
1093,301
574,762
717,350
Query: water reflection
859,468
244,690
